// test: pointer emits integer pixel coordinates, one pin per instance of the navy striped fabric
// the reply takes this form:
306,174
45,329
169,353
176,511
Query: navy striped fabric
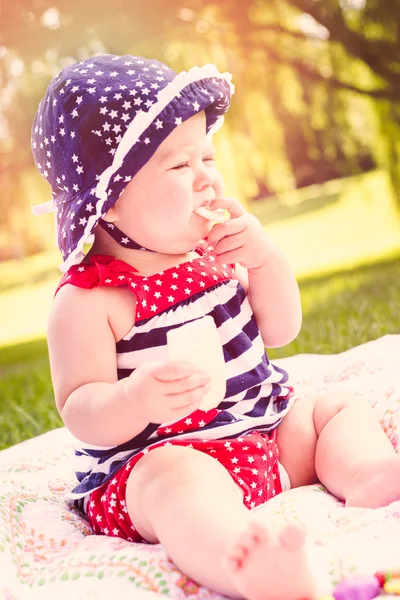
256,390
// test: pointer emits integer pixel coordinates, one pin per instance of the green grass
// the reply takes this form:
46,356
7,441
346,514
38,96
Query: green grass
26,395
343,240
347,308
352,221
34,271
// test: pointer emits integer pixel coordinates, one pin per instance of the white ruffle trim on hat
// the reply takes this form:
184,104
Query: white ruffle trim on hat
144,119
138,125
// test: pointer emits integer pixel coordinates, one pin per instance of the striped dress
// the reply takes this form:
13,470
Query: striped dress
256,397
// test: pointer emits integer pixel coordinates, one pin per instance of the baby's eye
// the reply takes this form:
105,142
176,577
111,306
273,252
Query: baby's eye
181,166
209,159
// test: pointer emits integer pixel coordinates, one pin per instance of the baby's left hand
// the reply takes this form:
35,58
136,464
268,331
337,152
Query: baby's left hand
241,239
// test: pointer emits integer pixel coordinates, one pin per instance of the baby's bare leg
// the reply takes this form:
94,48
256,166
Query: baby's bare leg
186,500
353,457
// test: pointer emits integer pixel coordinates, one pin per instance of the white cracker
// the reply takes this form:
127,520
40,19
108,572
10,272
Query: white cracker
218,215
198,342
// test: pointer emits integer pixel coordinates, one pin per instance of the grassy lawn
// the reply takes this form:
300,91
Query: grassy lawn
26,396
347,308
343,240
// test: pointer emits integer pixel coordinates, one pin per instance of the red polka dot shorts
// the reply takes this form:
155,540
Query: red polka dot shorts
251,460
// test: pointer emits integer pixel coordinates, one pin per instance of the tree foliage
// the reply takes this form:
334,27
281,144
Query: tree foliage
317,81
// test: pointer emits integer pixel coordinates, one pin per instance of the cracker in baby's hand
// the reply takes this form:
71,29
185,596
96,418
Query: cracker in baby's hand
219,215
198,342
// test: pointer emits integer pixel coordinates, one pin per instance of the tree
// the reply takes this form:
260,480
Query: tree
360,54
317,81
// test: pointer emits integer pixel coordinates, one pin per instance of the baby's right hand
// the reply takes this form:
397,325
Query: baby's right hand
163,392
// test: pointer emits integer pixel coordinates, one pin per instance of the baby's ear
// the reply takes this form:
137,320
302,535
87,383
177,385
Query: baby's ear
110,215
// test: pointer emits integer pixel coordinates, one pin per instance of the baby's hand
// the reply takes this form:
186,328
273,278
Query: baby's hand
163,392
241,239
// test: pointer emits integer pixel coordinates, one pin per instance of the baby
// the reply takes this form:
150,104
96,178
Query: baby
126,146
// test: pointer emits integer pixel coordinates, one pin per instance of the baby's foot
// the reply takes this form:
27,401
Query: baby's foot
267,567
375,485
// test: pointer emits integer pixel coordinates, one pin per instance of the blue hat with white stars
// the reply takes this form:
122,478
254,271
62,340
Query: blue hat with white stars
99,123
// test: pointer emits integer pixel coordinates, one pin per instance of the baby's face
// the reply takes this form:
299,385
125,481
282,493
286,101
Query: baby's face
157,208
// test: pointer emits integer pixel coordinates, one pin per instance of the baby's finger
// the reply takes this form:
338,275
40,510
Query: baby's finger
231,227
233,256
228,244
232,205
175,370
188,384
188,399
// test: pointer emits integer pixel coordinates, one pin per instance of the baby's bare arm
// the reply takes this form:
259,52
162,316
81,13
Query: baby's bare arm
89,397
96,407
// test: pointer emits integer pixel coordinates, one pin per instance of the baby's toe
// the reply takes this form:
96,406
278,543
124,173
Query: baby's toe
258,532
292,537
237,554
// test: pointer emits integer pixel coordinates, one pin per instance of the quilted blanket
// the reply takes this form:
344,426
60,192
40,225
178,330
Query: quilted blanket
48,551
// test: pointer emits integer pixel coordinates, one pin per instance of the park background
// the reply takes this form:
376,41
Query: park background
311,145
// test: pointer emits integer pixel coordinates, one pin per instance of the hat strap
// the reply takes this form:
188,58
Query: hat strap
120,237
46,207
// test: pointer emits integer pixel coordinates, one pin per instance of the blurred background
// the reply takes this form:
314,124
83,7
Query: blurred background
311,145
